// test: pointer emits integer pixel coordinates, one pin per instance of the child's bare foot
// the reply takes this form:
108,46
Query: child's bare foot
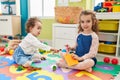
62,64
59,65
88,69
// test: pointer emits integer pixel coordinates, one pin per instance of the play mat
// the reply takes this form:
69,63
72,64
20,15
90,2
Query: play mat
8,71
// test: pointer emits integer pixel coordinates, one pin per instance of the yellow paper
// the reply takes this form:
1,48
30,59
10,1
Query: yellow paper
70,61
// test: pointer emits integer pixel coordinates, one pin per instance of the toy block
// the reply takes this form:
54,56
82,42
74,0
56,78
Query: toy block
108,5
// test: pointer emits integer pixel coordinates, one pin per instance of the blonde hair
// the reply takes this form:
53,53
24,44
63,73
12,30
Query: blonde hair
31,23
94,21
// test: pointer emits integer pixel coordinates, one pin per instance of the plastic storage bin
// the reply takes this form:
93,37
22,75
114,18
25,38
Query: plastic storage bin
111,26
107,37
116,8
107,48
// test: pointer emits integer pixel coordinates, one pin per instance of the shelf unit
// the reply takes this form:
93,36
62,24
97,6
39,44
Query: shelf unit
111,16
10,25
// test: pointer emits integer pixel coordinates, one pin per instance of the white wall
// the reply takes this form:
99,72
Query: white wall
17,7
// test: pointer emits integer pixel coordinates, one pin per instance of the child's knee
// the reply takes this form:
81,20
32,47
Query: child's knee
37,56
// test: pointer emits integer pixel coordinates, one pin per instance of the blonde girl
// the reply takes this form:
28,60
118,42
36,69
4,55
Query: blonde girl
87,43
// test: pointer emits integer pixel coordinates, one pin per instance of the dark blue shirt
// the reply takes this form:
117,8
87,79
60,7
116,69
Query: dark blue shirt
83,44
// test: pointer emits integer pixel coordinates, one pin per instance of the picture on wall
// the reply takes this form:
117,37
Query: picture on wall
62,3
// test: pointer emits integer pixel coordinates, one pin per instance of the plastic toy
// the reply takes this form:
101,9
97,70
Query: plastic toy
67,48
20,68
102,10
2,49
114,61
63,50
10,46
6,45
108,6
11,52
45,43
10,37
99,6
54,67
42,51
106,59
43,58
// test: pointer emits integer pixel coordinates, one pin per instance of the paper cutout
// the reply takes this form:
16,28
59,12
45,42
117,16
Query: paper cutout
88,74
40,75
4,62
4,77
70,61
107,68
94,75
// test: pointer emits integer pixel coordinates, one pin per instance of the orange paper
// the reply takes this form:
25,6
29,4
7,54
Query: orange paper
70,61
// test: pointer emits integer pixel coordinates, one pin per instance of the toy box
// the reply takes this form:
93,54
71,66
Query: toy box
107,48
107,37
108,25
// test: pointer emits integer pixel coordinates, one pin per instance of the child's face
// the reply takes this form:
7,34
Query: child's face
36,29
86,23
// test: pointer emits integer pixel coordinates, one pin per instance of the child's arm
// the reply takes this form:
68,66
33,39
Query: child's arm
35,42
6,39
74,46
71,47
94,47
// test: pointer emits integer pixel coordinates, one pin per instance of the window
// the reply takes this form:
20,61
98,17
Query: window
41,8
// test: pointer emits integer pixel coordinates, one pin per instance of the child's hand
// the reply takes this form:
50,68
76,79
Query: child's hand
77,57
54,50
69,47
74,56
